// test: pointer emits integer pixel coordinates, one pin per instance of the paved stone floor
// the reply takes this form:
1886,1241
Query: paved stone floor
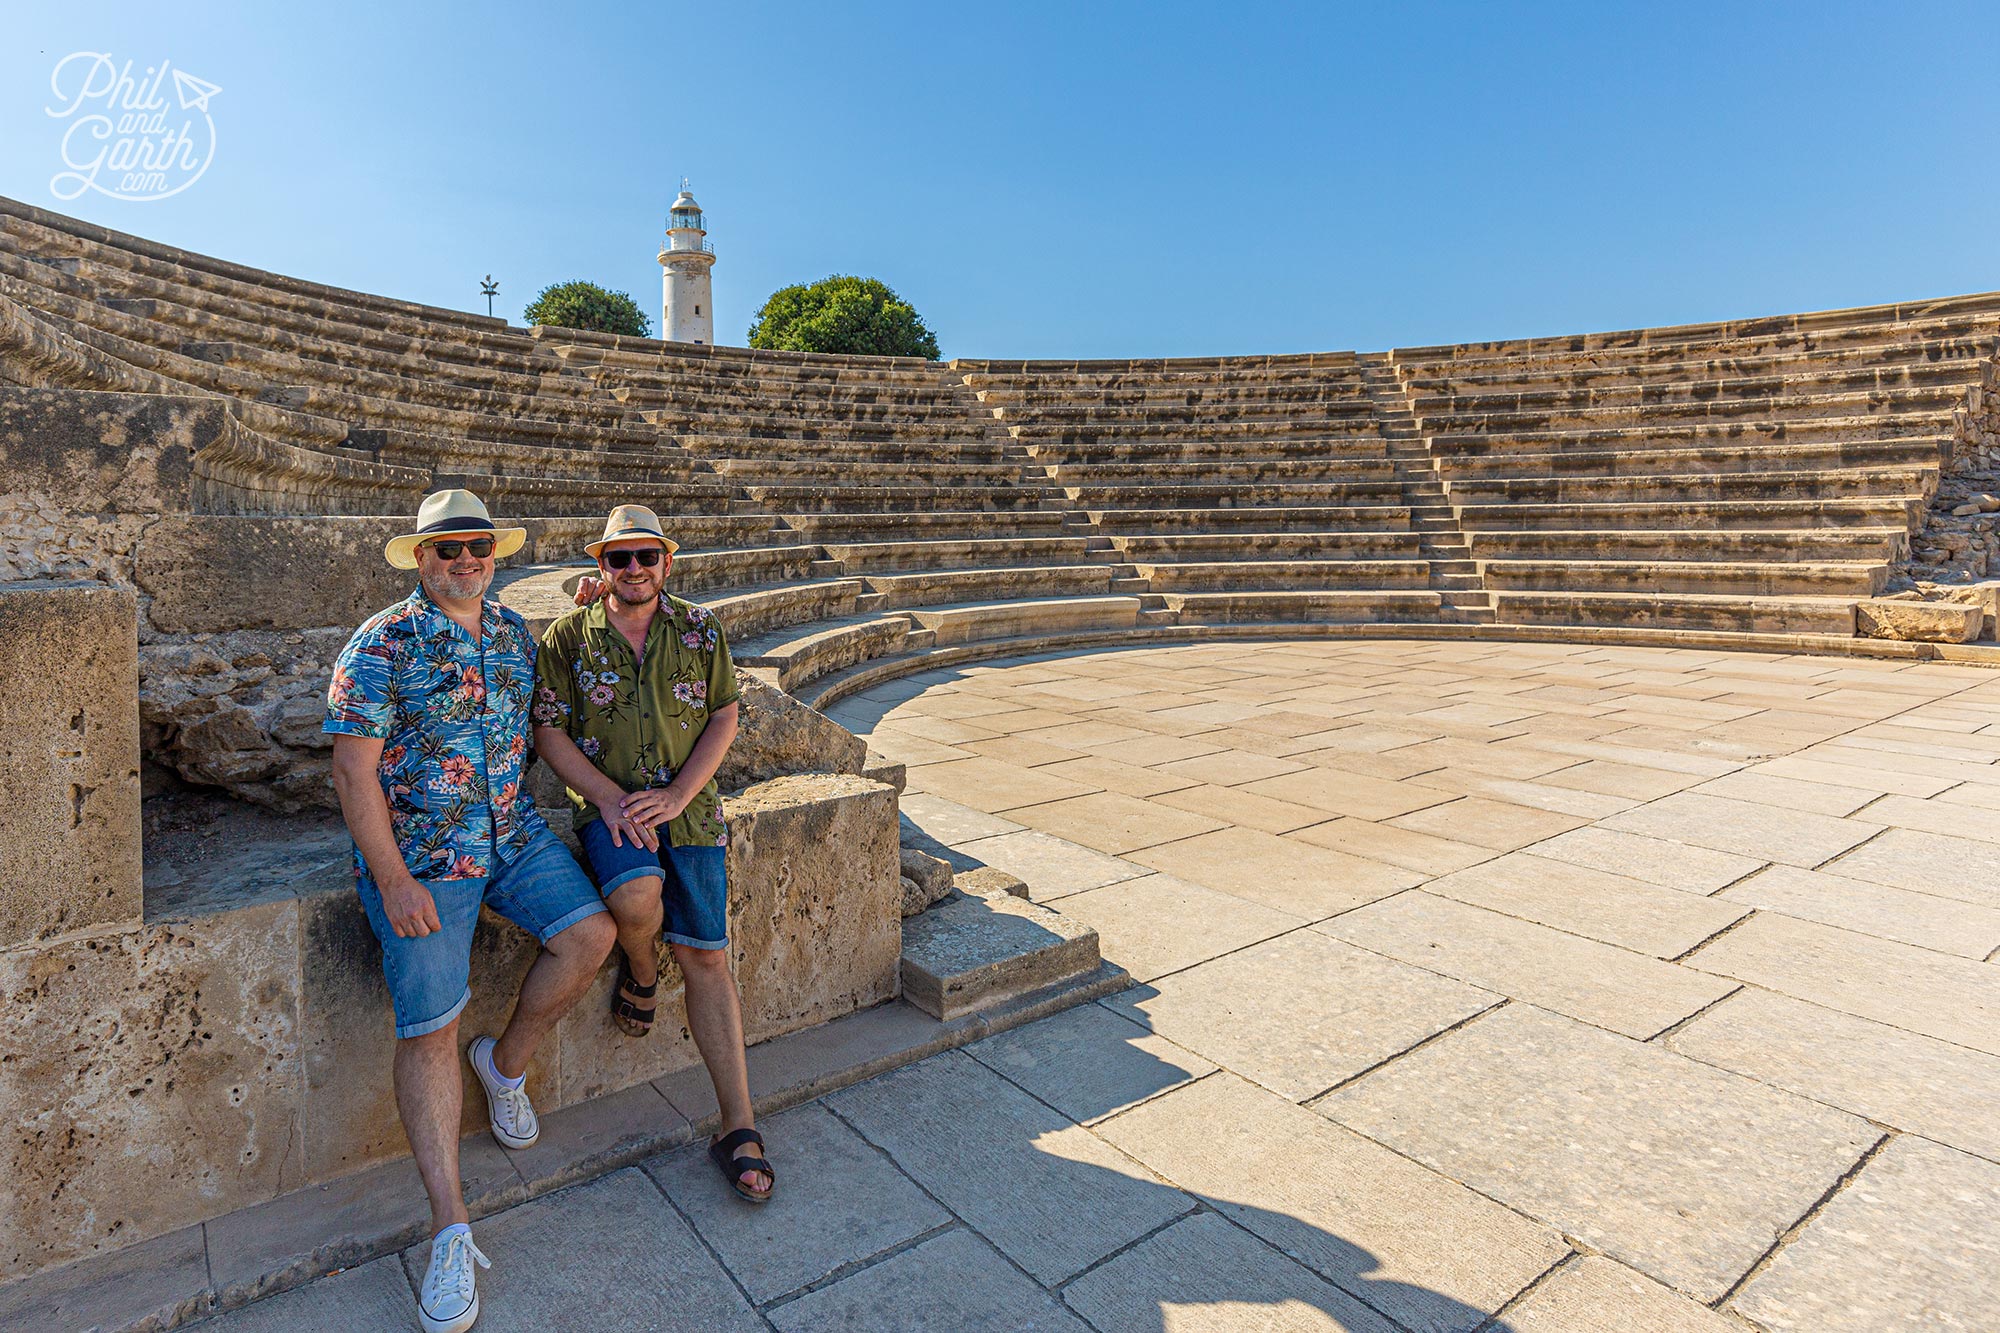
1481,986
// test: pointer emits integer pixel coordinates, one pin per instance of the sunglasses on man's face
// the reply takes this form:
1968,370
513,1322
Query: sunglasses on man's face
648,557
480,547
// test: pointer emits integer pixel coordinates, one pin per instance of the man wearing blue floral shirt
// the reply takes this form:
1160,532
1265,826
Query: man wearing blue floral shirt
428,707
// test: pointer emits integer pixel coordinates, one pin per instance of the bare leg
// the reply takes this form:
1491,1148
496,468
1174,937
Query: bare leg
428,1097
715,1017
636,907
567,965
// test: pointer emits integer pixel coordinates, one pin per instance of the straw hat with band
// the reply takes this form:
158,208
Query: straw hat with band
629,523
452,514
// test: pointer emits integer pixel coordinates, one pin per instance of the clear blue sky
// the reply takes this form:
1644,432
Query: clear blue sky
1085,179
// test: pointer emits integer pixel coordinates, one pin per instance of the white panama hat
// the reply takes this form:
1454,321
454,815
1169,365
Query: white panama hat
629,523
452,514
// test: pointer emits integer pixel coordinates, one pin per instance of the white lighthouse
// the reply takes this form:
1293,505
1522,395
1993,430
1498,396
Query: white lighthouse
687,313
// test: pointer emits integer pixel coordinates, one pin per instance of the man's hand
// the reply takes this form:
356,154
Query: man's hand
589,588
411,910
655,806
626,829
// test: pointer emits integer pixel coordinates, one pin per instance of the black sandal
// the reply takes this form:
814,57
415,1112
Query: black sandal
632,1020
723,1152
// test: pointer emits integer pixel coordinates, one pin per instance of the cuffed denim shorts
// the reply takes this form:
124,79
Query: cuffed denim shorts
694,883
543,891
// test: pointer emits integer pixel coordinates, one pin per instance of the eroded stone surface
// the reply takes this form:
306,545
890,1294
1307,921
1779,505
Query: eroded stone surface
1916,1083
1682,1171
1342,1010
842,1204
1009,1165
69,789
152,1078
1913,1241
1202,1275
1427,1252
1599,1295
1611,987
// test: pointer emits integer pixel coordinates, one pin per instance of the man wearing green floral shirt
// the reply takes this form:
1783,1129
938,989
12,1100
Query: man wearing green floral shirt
635,705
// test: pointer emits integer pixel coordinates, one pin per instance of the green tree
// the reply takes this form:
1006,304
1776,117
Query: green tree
859,316
585,305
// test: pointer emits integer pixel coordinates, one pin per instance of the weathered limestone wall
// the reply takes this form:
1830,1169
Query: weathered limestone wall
157,1074
1952,546
69,770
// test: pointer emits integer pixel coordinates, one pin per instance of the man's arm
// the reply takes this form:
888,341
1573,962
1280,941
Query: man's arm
662,804
408,904
573,766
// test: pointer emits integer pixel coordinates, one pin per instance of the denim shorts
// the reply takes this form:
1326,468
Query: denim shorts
694,883
543,891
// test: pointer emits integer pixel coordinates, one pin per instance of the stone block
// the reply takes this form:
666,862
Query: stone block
1599,1295
1545,1114
816,902
1918,622
375,1295
1902,1079
1008,1165
152,1080
612,1248
157,1283
951,1281
1914,1240
1088,1062
969,953
1424,1250
69,789
85,472
776,735
986,881
1216,1277
846,1204
1345,1010
210,573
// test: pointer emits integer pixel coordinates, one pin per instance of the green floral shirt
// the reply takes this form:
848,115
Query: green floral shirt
638,720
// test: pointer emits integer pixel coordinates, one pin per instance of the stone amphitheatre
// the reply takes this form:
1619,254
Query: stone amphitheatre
1478,837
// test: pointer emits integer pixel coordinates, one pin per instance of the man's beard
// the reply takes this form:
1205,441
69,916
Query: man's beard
446,585
635,596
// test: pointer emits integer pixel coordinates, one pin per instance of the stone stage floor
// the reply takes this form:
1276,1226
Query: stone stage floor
1478,986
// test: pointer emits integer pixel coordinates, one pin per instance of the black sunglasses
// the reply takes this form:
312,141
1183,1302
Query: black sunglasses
481,547
648,557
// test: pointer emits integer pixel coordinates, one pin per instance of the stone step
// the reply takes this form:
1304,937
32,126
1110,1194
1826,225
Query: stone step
1809,383
1218,546
1922,451
841,528
1319,606
1862,544
1000,620
1826,484
1256,518
754,611
802,657
934,587
1234,494
1849,578
836,450
1362,445
971,952
1871,512
1741,614
882,499
1941,401
1272,575
1649,434
888,557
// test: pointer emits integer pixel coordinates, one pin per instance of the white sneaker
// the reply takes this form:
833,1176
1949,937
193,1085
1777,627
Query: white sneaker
508,1110
449,1303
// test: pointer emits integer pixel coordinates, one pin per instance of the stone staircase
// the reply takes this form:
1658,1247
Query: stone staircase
1453,571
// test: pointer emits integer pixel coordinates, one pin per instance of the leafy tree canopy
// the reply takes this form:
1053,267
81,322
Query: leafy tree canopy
585,305
859,316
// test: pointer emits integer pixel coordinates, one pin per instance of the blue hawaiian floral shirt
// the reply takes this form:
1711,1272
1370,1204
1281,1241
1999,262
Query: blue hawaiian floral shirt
454,716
